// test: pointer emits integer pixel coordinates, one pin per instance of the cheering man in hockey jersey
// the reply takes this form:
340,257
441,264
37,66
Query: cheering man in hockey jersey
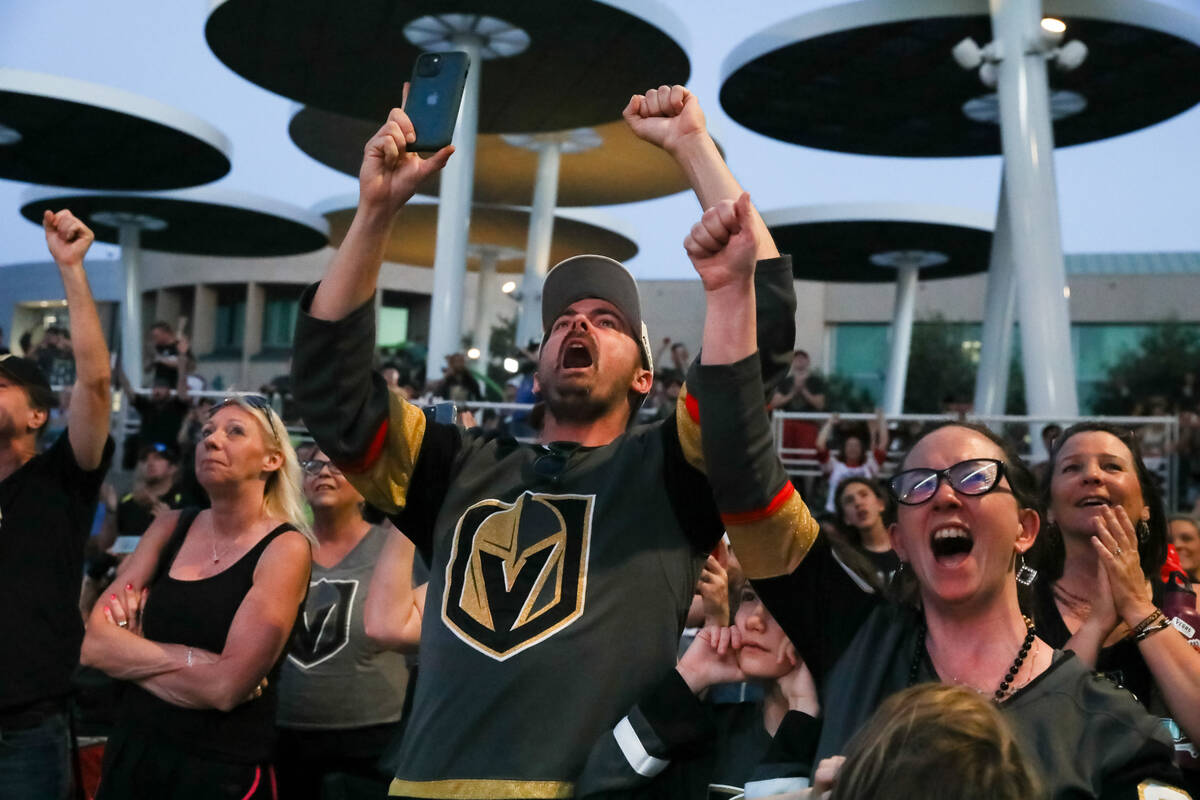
560,572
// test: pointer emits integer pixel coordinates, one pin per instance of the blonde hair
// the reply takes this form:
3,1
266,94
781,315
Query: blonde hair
282,497
936,741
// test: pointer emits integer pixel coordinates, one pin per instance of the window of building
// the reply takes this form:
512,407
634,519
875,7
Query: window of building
393,326
231,320
281,304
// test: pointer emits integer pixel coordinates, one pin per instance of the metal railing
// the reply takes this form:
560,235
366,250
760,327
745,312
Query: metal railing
1024,431
801,462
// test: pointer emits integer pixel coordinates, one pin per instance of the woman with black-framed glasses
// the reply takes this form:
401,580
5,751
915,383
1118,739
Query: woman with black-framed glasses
341,692
966,515
208,601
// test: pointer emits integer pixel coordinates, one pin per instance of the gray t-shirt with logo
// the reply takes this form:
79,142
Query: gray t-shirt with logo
334,677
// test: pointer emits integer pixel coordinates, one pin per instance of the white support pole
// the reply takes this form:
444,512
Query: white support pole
991,381
484,304
454,220
541,234
1028,142
129,236
902,322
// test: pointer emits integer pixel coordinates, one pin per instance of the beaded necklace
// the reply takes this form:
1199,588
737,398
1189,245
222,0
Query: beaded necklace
999,695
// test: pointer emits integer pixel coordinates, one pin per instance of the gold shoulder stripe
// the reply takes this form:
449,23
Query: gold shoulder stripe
687,423
384,483
774,545
477,788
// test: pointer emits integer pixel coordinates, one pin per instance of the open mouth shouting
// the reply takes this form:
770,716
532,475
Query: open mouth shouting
576,354
951,545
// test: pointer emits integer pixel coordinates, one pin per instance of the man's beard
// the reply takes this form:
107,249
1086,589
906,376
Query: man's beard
581,404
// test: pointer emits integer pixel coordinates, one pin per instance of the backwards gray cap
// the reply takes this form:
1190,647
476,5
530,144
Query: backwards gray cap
581,277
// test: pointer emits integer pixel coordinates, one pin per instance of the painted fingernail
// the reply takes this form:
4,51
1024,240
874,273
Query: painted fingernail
129,587
112,597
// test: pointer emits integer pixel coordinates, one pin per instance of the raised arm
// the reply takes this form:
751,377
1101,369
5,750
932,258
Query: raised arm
392,613
91,403
371,433
879,433
826,431
769,525
670,117
386,180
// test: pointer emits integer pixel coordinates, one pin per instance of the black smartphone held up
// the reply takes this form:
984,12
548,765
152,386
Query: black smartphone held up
434,95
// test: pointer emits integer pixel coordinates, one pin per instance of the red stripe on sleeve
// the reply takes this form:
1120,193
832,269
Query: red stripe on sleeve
374,449
746,517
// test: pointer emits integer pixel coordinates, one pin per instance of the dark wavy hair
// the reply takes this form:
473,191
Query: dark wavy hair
1020,480
1048,553
849,531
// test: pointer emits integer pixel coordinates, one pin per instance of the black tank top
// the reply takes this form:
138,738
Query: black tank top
198,614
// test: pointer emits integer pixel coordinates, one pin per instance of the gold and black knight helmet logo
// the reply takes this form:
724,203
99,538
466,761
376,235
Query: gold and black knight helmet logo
518,571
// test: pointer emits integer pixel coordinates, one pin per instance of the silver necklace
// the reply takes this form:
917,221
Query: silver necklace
217,556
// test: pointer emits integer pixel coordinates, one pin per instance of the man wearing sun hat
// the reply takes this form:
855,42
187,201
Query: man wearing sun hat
560,571
47,502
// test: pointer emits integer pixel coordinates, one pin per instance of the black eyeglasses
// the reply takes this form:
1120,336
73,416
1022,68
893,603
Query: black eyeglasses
972,477
314,466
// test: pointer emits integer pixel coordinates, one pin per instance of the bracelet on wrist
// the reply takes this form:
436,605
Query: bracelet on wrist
1154,617
1161,625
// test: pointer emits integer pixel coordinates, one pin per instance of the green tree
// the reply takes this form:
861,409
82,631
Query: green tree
940,368
842,394
1159,365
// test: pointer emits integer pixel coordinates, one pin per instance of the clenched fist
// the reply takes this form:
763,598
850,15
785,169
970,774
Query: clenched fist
67,237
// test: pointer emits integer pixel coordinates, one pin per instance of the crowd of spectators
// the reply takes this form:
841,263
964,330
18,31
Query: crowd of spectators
946,625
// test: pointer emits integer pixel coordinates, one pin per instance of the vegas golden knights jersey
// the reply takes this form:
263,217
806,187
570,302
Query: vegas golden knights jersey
560,575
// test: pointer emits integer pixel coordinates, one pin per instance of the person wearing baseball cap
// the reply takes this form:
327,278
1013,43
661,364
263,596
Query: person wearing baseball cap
25,373
47,503
543,554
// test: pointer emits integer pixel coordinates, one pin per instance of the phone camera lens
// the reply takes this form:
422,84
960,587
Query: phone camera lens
429,65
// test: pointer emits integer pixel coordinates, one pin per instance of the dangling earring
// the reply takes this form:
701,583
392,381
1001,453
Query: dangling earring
1143,530
1026,574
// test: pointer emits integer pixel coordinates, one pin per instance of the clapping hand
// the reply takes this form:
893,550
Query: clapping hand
1116,544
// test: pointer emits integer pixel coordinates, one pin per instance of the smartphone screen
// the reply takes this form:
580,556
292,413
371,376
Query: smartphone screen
434,95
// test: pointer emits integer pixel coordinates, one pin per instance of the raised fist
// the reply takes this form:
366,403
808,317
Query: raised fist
667,116
67,237
722,244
